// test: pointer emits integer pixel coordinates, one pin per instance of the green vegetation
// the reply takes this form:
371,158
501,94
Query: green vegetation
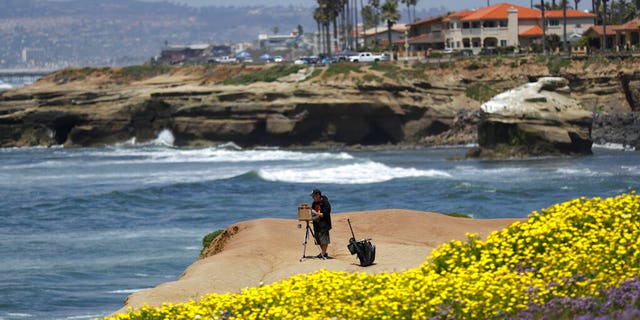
395,72
480,92
341,68
458,215
556,63
206,241
264,75
143,71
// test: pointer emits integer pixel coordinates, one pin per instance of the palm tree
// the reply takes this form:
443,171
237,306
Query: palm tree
375,4
324,16
410,3
390,14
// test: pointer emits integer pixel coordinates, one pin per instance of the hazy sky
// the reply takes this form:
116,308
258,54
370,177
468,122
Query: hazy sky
454,5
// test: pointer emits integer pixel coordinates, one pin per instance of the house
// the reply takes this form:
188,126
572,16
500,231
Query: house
426,34
619,37
181,53
380,35
499,25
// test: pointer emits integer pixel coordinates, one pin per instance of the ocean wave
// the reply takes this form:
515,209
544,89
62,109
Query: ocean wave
356,173
614,146
582,172
127,291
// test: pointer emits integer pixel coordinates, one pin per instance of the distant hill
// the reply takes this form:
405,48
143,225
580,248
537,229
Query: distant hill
61,33
122,32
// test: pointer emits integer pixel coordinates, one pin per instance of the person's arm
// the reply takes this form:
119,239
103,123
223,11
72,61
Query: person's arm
316,213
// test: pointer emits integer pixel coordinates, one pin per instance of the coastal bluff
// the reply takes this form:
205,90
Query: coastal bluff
259,252
399,104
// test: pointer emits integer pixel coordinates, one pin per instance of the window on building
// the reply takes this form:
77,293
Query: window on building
553,22
503,23
475,24
465,25
503,43
489,24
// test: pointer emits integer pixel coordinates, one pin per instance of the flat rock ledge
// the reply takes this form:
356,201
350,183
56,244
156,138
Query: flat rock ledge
536,119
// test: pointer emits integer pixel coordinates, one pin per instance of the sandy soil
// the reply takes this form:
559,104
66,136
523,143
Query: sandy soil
264,251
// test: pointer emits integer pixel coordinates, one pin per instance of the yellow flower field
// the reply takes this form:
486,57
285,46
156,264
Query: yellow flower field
570,249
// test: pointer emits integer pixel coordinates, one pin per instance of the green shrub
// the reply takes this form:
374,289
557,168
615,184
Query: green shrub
480,92
341,68
140,72
265,75
458,215
206,241
556,63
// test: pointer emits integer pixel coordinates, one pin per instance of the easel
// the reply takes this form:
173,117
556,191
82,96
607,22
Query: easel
306,238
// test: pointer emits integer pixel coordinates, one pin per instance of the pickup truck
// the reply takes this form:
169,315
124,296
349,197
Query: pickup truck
365,57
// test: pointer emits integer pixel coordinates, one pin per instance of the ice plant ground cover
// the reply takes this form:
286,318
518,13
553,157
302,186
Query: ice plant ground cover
580,250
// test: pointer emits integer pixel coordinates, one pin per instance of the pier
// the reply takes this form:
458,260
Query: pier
17,76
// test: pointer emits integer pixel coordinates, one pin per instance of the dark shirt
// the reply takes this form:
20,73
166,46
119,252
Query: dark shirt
322,223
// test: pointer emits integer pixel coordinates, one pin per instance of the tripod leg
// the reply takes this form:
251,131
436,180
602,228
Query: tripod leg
315,241
304,243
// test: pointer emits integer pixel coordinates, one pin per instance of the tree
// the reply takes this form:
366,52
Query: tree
410,3
375,4
391,15
368,17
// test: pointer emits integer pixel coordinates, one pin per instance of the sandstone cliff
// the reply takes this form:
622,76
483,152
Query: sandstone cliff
342,105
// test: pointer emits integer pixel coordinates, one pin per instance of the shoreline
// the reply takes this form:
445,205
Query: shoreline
263,251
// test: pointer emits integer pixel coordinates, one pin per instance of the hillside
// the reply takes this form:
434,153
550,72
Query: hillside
295,106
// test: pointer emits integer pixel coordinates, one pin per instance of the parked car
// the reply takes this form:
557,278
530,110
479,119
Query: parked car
344,55
225,59
278,59
465,53
488,52
385,57
365,57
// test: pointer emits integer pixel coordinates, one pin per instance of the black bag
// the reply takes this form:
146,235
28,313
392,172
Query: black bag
364,249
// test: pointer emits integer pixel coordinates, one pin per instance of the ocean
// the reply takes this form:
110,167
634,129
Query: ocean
81,229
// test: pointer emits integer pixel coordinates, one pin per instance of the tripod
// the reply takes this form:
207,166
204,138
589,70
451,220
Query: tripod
306,238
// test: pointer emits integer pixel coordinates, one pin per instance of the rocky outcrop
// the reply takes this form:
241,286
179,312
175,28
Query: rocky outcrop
363,107
617,128
536,119
282,114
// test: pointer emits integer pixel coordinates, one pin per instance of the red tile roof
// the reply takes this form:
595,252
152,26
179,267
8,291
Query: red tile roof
534,31
424,21
611,29
570,14
459,14
630,25
499,12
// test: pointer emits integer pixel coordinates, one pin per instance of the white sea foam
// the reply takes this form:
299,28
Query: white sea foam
127,291
5,86
614,146
165,138
19,315
356,173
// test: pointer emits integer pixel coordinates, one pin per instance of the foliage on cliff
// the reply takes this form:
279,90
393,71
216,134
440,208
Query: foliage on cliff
580,250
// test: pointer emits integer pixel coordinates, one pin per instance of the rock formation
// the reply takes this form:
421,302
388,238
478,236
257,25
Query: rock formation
363,105
261,114
536,119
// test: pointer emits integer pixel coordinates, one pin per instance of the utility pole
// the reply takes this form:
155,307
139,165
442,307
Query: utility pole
604,25
544,27
564,26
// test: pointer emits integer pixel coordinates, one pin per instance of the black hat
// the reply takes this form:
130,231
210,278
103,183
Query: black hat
316,192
